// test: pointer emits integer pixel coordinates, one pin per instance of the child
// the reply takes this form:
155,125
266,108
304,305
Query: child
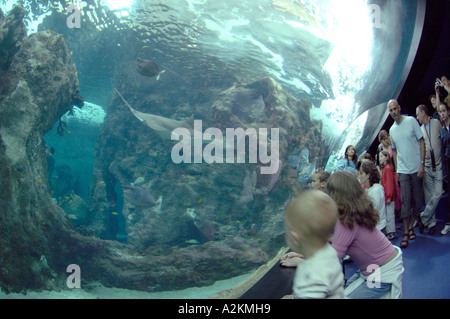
370,177
309,222
356,235
319,180
390,192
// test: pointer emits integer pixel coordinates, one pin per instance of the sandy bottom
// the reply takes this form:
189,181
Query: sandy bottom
118,293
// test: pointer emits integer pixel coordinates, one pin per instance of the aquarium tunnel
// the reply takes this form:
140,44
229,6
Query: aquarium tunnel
307,78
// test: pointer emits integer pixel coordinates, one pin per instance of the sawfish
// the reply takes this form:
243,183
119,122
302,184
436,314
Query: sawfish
163,126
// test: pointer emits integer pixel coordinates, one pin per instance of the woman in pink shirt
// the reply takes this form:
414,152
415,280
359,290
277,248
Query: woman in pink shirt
379,262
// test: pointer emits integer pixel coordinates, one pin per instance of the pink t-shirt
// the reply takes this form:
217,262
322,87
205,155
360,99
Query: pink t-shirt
364,246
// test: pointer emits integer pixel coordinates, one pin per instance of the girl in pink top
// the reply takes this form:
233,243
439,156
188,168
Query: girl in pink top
356,235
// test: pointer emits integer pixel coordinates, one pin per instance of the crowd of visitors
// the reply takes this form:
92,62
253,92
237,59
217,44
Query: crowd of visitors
405,180
413,164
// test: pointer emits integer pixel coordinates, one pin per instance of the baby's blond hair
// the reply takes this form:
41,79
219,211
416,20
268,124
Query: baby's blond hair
313,214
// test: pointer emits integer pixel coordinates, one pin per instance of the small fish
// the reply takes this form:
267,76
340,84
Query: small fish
72,216
114,213
68,132
39,180
148,68
192,242
67,197
71,52
70,201
102,182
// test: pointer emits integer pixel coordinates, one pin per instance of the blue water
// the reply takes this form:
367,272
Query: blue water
207,49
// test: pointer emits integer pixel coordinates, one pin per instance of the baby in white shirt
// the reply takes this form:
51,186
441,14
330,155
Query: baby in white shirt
310,220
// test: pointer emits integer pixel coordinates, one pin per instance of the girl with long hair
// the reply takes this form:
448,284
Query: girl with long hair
370,177
356,235
348,163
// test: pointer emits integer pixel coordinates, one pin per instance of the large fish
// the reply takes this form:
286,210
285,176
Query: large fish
162,125
138,196
148,68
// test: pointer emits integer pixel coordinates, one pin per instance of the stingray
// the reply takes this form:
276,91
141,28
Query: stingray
148,68
138,196
163,126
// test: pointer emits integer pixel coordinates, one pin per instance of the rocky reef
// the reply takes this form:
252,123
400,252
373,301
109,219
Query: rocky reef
39,86
203,207
202,229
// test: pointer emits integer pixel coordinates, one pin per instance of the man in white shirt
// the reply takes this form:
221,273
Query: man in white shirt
432,180
409,158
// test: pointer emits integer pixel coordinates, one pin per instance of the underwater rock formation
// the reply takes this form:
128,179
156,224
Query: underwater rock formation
205,206
37,240
12,32
200,233
40,87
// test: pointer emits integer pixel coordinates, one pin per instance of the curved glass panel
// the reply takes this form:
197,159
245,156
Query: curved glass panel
334,65
344,57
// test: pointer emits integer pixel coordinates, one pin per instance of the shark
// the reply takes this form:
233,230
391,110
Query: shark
163,126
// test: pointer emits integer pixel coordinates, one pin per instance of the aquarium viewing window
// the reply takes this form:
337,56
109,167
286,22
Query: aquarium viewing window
316,74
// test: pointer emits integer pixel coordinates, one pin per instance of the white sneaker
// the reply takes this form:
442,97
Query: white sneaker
445,230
